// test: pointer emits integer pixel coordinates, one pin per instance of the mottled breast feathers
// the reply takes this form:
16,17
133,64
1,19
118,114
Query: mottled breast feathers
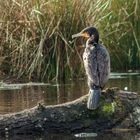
97,65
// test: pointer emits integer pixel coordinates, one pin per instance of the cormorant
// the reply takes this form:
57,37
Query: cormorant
97,65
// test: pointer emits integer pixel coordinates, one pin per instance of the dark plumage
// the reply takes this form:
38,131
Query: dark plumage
97,65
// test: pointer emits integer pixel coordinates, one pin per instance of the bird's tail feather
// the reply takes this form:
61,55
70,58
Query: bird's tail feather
93,99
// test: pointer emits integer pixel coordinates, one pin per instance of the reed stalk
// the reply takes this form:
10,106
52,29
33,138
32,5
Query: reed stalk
35,36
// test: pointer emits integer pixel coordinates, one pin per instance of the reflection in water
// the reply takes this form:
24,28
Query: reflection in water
130,81
17,100
111,136
29,96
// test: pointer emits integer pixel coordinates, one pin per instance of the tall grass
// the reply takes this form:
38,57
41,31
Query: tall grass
35,35
120,30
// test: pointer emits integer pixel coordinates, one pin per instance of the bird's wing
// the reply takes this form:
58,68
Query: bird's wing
103,62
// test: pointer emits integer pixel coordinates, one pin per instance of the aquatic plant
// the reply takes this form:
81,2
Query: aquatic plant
35,36
121,25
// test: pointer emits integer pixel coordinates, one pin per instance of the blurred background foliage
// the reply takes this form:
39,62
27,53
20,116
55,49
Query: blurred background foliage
35,36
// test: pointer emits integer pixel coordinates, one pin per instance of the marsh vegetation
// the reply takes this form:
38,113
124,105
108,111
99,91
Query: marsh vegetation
35,36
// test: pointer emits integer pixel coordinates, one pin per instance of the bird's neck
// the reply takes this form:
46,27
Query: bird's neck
91,42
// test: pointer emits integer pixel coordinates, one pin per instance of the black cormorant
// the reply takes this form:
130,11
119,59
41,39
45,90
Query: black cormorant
97,65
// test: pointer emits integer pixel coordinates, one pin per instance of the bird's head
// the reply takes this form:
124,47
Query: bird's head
89,33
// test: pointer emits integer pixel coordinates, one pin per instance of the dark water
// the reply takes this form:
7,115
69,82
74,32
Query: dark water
24,96
111,136
29,95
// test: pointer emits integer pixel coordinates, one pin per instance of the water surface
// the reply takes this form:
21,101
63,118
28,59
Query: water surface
26,96
105,136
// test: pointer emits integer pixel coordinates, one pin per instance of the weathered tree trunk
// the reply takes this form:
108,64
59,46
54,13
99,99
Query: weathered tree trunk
72,116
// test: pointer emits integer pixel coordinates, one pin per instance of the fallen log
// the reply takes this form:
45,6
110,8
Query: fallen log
74,116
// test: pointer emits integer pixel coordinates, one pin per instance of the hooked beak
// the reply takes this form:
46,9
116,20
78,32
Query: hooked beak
80,35
76,35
